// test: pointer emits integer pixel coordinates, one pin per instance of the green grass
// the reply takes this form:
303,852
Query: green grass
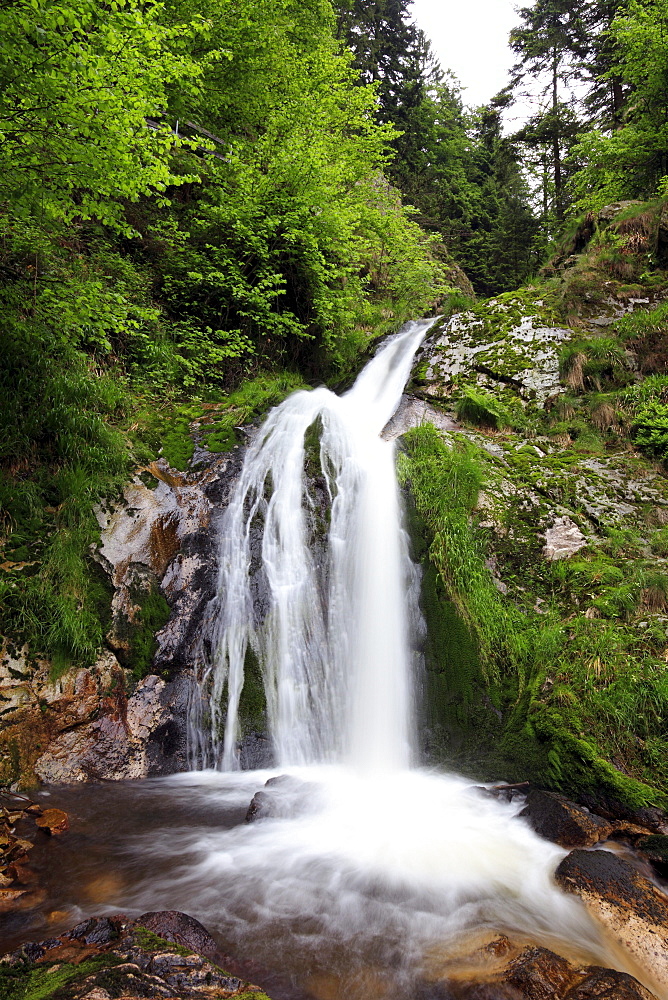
575,691
481,409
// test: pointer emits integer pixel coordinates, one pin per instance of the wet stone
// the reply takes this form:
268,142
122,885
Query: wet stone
282,798
179,928
631,908
607,984
557,819
655,849
97,930
540,974
53,821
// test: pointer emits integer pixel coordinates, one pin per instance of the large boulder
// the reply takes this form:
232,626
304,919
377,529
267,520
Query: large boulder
630,907
110,957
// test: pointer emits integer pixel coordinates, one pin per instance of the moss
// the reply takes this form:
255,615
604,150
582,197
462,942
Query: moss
148,941
481,410
134,633
570,701
37,982
153,614
252,703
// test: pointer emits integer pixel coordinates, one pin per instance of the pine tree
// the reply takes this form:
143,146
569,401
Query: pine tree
552,45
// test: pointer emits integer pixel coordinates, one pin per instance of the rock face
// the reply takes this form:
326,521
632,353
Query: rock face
145,735
166,537
563,539
91,723
523,354
107,721
163,954
631,908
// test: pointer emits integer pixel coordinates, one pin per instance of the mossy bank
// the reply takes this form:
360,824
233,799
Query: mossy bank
542,522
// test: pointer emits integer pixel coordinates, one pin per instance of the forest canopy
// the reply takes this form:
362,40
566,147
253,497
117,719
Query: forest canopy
197,194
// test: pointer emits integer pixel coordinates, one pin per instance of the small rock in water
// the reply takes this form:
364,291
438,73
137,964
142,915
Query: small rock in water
282,797
53,821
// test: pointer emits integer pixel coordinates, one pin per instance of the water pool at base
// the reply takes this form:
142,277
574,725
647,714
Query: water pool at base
366,886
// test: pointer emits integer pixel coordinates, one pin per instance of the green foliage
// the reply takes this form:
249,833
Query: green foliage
250,401
153,613
629,161
643,322
146,274
481,409
647,404
444,484
78,81
659,542
577,680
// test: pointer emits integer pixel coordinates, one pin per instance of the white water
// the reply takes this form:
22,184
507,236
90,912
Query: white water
333,642
388,865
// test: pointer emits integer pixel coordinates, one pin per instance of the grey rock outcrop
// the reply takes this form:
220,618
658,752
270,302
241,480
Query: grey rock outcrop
563,539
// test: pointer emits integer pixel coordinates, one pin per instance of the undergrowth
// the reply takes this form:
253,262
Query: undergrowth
94,385
551,694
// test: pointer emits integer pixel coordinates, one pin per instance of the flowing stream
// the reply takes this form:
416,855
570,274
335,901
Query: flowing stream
371,877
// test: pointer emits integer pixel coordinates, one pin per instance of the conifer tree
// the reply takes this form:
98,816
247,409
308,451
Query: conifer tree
551,45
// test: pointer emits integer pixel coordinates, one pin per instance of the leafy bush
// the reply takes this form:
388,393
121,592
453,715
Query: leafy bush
647,405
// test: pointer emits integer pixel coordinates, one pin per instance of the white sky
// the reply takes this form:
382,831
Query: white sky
470,37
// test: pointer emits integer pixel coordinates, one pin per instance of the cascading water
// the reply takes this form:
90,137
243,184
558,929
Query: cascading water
332,642
376,878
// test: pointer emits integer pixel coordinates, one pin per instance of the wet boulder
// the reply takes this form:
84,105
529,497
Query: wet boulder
655,850
608,984
181,929
108,957
555,818
282,798
631,908
540,974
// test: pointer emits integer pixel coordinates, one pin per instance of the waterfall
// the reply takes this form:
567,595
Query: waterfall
364,869
324,608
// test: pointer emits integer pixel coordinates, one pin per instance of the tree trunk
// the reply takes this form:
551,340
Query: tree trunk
556,152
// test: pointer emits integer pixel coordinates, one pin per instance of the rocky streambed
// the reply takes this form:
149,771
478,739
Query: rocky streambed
615,865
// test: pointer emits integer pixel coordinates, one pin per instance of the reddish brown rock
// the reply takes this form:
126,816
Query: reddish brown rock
540,974
53,821
607,984
631,908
